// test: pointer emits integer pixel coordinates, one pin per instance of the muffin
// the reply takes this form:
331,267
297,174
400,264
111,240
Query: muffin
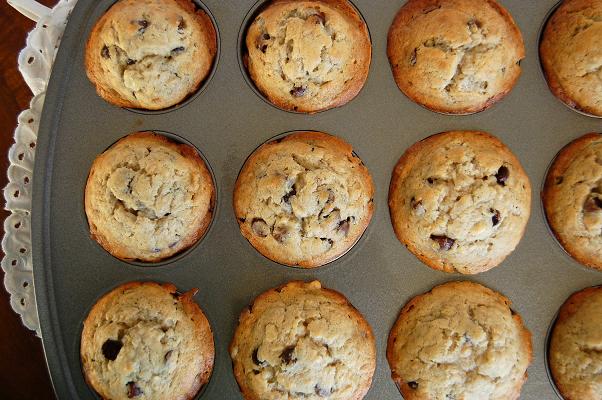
308,56
303,200
460,201
150,54
461,340
455,56
148,198
572,199
571,54
302,341
145,340
574,354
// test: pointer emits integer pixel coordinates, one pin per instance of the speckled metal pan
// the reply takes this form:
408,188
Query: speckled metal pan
226,121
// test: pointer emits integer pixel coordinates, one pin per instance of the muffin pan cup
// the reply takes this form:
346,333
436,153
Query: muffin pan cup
226,121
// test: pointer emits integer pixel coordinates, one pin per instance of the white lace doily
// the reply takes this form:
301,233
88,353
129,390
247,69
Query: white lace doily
35,64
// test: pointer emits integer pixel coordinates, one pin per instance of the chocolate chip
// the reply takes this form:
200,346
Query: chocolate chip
431,180
263,48
133,390
266,36
413,385
344,226
254,357
592,204
502,175
287,355
280,233
444,242
330,241
288,196
178,50
105,52
413,57
130,61
321,18
495,219
181,25
111,348
143,24
321,391
298,91
259,227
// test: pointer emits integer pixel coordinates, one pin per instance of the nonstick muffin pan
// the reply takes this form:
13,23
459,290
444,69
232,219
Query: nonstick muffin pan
226,121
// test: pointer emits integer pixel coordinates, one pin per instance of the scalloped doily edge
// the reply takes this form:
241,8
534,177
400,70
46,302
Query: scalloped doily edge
35,64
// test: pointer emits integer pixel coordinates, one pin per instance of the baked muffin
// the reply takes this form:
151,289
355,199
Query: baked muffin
148,198
460,201
303,200
461,340
572,199
302,341
574,354
308,56
455,56
145,340
571,54
150,54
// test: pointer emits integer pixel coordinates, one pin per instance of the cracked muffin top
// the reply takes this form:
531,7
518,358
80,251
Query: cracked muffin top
302,341
146,341
308,56
571,54
460,201
575,353
572,199
148,198
455,56
303,200
459,341
150,54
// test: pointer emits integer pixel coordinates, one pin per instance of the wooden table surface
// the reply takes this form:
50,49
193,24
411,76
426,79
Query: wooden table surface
23,373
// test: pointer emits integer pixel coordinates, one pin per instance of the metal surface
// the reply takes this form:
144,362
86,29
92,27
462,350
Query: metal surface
226,122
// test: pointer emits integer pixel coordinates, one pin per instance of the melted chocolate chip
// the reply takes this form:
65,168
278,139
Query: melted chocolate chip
254,357
431,180
444,242
105,52
321,18
266,36
111,348
413,385
344,226
133,390
181,25
280,233
298,91
263,48
287,355
178,50
130,61
288,196
414,57
495,219
321,391
143,24
260,227
592,204
502,175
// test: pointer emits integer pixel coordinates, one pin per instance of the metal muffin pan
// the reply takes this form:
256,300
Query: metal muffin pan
226,122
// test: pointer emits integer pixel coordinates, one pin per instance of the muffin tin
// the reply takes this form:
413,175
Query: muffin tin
226,121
